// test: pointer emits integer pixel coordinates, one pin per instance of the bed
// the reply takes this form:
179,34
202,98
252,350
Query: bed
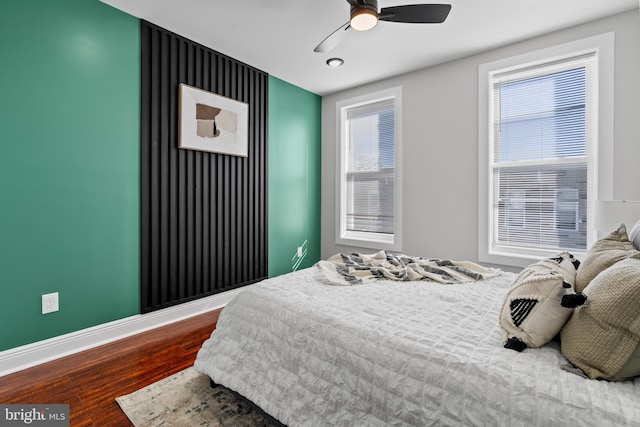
398,353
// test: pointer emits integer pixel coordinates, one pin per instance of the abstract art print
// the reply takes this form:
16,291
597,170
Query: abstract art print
210,122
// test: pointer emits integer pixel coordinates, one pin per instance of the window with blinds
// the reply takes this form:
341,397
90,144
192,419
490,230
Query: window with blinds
370,167
540,130
368,196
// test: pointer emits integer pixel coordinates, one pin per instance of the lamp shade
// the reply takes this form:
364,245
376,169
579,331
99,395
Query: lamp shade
610,213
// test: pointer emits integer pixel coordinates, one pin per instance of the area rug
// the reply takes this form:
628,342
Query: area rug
187,399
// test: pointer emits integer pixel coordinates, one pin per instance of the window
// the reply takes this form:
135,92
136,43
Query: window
368,187
540,123
539,164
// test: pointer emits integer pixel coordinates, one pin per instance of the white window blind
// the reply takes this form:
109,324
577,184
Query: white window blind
541,127
370,167
369,183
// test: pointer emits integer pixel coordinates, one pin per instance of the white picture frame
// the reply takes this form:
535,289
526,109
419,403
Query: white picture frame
211,122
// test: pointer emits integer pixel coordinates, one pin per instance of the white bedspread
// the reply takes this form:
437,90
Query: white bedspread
398,353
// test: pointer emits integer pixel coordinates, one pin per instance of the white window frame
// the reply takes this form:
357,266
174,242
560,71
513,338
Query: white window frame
371,240
599,149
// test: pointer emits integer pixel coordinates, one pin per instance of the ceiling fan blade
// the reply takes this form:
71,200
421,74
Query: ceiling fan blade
416,13
356,3
334,39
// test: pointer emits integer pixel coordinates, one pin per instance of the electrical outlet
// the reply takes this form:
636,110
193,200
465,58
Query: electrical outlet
50,303
299,251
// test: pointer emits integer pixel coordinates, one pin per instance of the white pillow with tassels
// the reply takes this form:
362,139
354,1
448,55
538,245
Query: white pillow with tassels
533,314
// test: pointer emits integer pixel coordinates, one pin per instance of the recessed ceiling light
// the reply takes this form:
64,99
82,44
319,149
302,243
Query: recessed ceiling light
335,62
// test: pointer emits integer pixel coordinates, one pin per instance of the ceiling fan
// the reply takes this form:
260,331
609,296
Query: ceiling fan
365,16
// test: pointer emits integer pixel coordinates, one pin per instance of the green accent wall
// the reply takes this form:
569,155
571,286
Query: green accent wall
69,166
294,177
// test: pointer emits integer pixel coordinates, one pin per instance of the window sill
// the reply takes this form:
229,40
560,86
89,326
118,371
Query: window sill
377,241
512,259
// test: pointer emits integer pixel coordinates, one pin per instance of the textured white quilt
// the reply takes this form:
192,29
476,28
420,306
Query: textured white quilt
398,354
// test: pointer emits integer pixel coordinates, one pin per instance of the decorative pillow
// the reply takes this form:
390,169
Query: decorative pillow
634,236
603,254
602,337
532,313
631,368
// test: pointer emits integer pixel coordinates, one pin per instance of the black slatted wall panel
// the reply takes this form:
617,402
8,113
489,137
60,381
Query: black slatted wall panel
204,215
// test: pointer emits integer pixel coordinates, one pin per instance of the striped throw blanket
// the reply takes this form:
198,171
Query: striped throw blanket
357,269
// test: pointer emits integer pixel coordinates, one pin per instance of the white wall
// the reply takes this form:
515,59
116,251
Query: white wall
440,141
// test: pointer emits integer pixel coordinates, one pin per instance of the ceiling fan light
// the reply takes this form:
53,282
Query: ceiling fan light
363,18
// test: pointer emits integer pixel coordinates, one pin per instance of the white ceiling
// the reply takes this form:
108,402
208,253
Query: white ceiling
278,36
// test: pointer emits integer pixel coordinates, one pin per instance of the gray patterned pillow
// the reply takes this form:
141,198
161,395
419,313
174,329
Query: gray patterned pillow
603,254
634,235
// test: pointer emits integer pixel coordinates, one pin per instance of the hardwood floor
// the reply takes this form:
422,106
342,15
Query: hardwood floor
90,381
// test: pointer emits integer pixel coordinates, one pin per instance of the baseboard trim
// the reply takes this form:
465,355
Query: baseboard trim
26,356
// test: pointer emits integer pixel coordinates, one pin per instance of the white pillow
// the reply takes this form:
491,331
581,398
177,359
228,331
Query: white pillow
634,235
532,313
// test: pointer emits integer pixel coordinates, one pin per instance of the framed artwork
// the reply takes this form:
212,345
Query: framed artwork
211,122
